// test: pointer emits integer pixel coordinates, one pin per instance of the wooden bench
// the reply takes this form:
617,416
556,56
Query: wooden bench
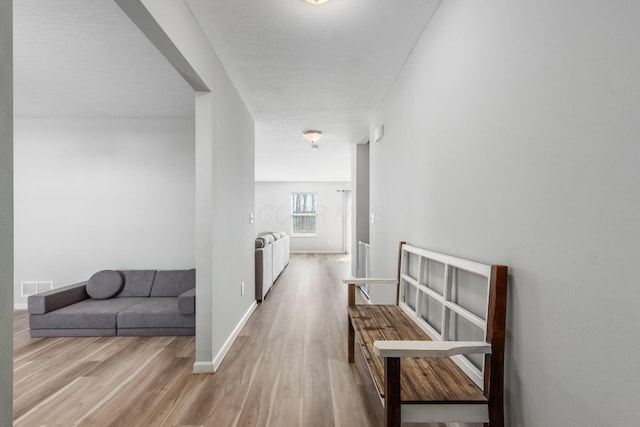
447,327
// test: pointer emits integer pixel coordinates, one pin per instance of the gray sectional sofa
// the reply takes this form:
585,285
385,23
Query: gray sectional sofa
128,302
271,257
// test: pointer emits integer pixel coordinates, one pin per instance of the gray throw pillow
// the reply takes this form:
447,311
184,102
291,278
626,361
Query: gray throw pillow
186,281
105,284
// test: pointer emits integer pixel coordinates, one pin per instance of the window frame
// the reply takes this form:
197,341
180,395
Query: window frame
314,214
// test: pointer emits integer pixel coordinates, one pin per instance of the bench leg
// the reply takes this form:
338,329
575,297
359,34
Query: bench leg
392,401
496,404
351,301
496,418
351,340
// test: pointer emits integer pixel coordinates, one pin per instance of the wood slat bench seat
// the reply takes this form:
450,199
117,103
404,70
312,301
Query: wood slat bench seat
422,380
438,354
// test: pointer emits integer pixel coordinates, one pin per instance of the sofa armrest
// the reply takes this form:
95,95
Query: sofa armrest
57,298
187,302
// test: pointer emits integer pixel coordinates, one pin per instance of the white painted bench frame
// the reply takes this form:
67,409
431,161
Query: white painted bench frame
439,347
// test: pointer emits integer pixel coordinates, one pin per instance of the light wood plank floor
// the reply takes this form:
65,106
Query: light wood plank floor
287,368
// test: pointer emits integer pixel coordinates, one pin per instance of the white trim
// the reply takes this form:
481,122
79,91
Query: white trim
313,214
364,280
20,306
203,368
303,235
212,367
451,266
229,342
317,252
480,323
460,263
432,349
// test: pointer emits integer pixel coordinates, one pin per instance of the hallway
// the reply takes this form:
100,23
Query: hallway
288,367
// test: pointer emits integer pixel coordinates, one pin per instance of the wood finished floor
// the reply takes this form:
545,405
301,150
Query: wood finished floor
288,367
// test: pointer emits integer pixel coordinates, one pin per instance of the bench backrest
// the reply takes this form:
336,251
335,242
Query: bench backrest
454,299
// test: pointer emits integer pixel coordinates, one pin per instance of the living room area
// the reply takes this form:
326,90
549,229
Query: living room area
187,136
110,175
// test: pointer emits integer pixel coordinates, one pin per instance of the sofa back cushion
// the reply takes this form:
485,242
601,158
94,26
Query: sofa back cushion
165,284
137,283
105,284
187,281
268,238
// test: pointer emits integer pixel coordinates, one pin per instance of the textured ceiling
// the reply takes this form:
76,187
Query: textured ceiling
85,58
297,66
300,66
333,61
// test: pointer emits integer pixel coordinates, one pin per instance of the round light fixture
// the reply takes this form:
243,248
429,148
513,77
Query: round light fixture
312,135
316,1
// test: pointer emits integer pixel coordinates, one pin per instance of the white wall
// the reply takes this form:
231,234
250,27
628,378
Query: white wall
95,194
514,131
297,162
6,214
225,171
233,233
359,200
273,212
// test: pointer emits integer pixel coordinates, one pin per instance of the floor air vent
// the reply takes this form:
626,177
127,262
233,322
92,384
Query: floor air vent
35,287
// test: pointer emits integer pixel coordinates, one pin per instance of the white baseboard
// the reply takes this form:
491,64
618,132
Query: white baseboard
20,306
203,368
211,367
227,345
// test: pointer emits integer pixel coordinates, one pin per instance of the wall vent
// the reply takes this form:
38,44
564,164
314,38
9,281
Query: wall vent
33,287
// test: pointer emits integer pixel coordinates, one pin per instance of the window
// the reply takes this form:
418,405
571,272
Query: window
303,213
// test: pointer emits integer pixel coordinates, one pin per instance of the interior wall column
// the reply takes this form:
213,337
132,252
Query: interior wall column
224,148
204,232
6,213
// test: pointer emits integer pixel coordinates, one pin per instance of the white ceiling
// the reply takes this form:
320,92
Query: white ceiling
297,66
85,58
300,66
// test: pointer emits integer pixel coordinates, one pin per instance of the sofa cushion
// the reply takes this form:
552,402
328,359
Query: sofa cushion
57,298
157,312
87,314
187,302
165,284
105,284
187,281
155,332
137,283
75,332
268,238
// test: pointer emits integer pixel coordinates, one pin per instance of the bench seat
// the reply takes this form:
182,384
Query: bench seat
422,380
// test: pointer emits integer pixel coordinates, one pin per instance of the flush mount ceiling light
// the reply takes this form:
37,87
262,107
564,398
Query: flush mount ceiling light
316,1
312,135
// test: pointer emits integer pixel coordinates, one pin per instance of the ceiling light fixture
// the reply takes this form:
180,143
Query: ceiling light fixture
312,135
316,1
